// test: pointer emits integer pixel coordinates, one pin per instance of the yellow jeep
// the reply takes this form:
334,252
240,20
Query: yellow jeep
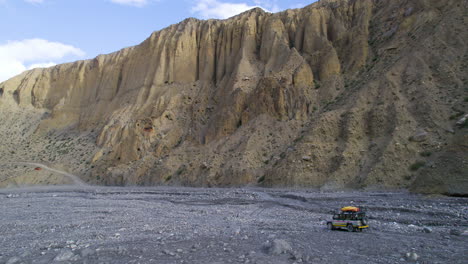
350,218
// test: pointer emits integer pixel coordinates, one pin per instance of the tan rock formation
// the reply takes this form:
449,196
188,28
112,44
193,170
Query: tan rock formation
241,101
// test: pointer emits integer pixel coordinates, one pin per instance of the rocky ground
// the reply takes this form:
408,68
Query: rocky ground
179,225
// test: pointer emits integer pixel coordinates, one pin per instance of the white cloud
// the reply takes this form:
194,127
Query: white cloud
138,3
18,56
41,65
218,9
10,68
271,5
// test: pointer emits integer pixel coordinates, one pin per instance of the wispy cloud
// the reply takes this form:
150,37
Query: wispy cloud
219,9
269,5
18,56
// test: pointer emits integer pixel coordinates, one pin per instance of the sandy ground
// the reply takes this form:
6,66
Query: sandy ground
178,225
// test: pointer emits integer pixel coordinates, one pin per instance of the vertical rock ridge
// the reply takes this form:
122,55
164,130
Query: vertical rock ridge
327,95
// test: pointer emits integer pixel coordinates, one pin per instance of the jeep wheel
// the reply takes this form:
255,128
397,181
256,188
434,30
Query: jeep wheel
350,228
330,226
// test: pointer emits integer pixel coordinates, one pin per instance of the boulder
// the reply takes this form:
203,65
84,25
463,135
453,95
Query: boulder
420,136
277,247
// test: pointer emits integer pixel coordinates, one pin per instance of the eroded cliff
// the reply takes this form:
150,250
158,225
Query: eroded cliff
339,94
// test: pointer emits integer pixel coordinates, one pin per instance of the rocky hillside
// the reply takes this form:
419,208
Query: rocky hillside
339,94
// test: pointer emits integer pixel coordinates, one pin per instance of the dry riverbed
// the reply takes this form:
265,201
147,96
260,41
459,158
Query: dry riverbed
181,225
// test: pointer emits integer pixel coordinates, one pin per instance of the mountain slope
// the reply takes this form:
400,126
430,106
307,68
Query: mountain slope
339,94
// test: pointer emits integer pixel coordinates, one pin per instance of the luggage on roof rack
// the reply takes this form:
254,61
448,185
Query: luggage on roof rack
350,209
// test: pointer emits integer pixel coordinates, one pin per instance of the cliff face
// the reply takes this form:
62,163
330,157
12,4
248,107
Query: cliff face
325,96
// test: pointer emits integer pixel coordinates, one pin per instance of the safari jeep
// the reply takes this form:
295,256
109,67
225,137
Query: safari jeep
350,218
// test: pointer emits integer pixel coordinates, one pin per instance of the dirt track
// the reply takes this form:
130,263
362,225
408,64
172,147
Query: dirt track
178,225
76,180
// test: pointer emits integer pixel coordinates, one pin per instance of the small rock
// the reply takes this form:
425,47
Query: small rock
277,247
427,229
455,232
450,130
420,136
462,121
296,256
412,256
86,252
204,165
409,12
167,252
391,32
65,255
13,260
122,250
306,158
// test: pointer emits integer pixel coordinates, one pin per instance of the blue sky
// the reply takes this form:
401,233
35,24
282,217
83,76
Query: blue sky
40,33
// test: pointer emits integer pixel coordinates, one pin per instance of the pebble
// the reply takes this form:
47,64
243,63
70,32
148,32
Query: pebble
412,256
65,255
13,260
86,252
427,229
167,252
277,247
455,232
297,256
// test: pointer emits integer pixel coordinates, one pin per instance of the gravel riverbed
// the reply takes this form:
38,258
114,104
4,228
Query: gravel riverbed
185,225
